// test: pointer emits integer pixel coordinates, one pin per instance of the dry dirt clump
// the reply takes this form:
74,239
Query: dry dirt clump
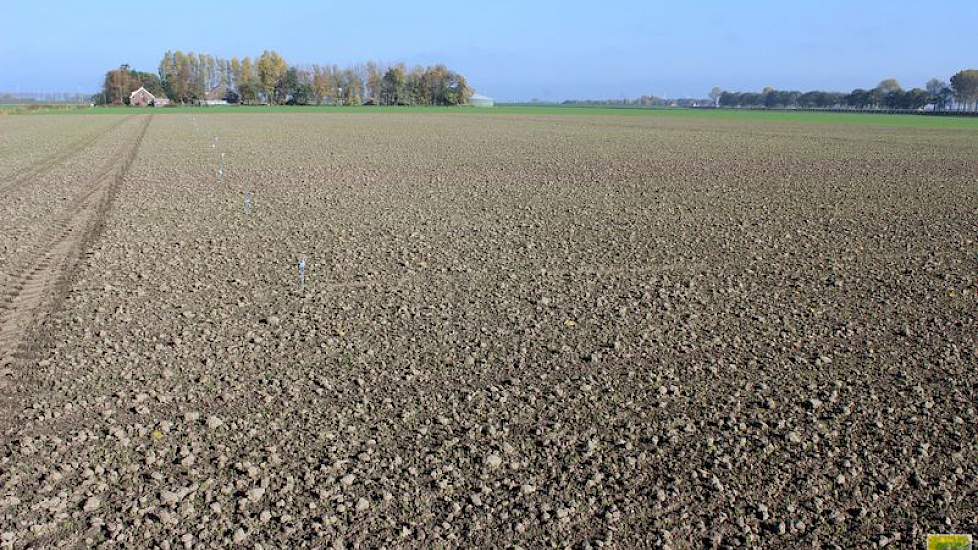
513,331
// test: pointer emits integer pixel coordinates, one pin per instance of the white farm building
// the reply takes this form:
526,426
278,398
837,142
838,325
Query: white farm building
479,100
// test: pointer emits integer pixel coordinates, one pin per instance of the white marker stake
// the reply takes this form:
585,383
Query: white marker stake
220,170
302,273
248,200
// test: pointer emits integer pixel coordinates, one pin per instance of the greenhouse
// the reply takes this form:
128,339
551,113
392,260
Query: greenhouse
478,100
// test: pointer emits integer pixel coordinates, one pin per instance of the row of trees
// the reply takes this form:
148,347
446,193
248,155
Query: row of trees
190,77
642,101
418,86
961,93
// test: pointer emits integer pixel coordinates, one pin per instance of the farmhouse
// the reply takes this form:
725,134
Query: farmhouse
141,98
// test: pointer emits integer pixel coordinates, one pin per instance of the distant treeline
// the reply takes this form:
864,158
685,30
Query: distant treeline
960,93
43,98
643,101
190,78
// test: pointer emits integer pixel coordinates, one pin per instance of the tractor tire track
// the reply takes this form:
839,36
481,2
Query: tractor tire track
44,165
55,228
42,284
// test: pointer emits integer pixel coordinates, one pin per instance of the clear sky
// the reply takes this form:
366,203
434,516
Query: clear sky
508,49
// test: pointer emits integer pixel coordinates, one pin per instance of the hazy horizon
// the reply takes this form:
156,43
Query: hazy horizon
550,51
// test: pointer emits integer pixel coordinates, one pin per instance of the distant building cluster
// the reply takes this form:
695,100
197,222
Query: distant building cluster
201,79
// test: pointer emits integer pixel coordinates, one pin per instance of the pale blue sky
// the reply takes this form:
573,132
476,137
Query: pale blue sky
512,50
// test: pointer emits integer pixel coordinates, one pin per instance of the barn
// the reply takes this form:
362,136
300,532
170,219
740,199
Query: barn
141,98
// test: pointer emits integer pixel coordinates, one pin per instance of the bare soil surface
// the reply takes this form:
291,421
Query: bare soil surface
512,331
31,147
53,239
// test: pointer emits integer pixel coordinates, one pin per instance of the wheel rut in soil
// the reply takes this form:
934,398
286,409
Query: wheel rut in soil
42,166
40,282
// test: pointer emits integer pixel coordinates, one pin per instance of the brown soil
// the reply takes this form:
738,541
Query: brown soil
514,331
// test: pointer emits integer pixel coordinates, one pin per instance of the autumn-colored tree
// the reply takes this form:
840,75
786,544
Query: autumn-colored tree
351,87
458,91
119,84
242,80
227,75
202,76
418,87
181,76
234,77
167,72
324,85
438,86
271,69
248,85
374,80
182,85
